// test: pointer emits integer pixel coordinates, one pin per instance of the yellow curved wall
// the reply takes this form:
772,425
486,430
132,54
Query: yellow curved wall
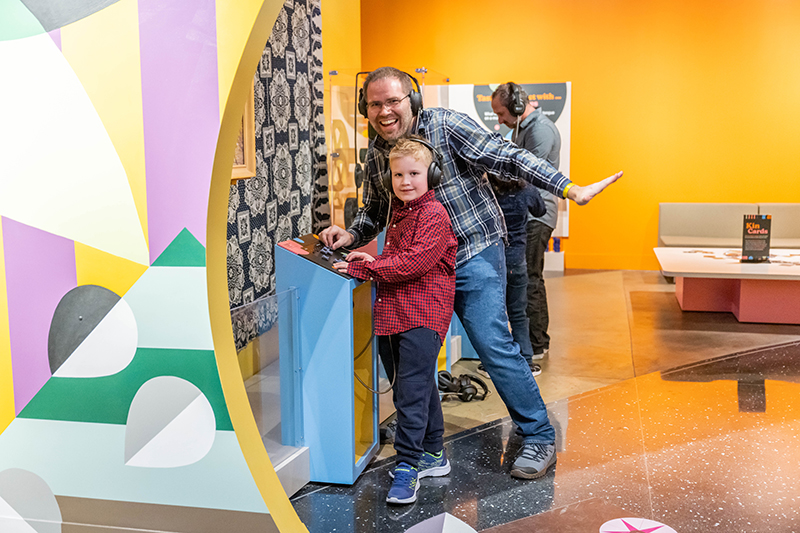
238,54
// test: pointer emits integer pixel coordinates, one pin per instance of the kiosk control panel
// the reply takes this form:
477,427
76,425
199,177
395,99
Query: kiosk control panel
311,248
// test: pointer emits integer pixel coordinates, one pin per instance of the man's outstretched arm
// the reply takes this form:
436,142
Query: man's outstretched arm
582,195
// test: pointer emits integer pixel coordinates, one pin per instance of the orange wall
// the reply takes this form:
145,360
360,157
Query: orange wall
341,44
341,52
341,35
696,101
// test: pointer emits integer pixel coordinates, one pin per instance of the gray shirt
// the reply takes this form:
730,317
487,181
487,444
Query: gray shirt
539,135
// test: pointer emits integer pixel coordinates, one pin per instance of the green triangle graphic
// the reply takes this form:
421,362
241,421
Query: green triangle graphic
17,22
183,251
107,399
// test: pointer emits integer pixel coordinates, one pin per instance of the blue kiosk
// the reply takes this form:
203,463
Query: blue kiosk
326,367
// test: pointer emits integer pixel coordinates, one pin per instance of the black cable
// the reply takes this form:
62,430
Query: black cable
394,373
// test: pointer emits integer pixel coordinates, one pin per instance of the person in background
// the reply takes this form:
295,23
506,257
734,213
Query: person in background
517,200
534,132
467,150
413,307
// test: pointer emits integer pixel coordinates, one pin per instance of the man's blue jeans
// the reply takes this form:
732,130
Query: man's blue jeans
517,305
481,305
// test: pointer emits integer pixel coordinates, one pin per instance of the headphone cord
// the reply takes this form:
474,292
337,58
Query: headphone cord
394,374
472,381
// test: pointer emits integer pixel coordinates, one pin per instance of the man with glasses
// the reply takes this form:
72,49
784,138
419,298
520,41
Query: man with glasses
468,151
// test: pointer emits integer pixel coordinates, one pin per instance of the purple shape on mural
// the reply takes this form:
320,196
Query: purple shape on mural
56,36
40,270
181,114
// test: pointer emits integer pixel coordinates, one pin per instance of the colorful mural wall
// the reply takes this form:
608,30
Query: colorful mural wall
121,400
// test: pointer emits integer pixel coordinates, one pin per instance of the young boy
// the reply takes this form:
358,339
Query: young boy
412,310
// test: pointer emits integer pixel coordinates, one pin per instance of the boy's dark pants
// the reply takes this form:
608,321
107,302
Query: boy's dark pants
420,423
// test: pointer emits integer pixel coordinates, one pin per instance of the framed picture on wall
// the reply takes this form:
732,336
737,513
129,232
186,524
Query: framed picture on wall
244,157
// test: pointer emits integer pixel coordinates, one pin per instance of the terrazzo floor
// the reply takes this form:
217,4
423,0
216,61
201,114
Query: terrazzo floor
686,419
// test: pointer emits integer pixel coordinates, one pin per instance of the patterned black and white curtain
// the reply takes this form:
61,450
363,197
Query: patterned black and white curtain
288,196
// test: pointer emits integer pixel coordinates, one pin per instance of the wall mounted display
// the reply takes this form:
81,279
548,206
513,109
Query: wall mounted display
244,156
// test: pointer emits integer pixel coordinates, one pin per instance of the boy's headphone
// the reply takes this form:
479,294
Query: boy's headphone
435,171
517,107
414,97
462,386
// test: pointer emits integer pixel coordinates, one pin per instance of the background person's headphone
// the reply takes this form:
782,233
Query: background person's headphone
517,107
435,171
414,97
462,386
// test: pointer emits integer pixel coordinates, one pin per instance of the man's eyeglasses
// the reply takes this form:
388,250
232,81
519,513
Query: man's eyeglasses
391,103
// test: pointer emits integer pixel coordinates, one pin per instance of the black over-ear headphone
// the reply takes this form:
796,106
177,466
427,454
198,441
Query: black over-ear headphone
414,97
462,386
517,107
435,169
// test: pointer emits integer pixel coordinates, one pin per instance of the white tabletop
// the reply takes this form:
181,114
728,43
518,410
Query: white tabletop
724,263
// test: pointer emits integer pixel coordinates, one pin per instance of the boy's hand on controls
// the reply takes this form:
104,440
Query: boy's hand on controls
341,266
359,256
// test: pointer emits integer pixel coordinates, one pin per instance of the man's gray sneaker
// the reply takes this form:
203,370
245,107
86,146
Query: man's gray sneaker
431,465
534,460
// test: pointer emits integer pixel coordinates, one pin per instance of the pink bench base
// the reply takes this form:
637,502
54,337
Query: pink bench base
750,300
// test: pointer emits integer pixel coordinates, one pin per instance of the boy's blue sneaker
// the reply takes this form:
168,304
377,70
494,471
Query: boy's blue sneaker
431,465
405,486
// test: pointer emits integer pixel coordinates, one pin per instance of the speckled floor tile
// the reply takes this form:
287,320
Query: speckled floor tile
709,446
581,517
478,490
653,420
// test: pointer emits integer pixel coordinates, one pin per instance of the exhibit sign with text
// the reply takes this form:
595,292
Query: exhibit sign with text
555,101
755,238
